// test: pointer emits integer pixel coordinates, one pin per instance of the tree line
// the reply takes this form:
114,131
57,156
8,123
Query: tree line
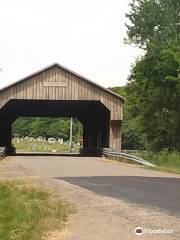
47,127
152,105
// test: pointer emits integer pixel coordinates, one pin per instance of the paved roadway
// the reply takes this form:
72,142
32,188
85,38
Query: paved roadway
134,185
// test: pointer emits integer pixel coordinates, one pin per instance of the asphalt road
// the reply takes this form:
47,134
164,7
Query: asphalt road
132,184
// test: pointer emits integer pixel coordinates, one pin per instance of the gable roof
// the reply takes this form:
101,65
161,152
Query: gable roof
68,70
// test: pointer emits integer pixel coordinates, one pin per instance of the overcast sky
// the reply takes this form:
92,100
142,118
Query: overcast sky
83,35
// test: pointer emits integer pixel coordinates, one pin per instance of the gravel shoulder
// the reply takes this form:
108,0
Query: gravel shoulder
104,216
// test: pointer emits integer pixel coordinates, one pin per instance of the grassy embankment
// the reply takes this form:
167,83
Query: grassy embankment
35,146
28,212
165,161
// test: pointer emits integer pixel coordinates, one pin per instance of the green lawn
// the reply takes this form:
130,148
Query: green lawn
29,213
35,146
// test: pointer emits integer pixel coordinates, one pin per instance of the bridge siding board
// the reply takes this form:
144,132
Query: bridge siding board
56,90
70,86
62,89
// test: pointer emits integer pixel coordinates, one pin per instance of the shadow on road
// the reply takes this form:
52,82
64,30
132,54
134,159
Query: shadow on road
163,193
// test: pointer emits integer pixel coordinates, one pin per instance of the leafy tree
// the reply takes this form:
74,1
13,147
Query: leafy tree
59,128
39,127
22,126
153,23
154,83
131,137
77,130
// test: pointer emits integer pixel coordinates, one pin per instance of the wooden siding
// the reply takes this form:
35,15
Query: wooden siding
115,135
56,83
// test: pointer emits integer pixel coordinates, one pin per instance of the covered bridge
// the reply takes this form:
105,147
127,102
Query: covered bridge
56,91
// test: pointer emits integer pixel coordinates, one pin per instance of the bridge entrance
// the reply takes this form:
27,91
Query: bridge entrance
58,92
93,115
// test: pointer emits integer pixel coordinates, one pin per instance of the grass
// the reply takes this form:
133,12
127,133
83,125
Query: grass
164,160
35,146
27,212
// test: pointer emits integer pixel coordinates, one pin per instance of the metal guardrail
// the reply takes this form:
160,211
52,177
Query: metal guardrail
107,152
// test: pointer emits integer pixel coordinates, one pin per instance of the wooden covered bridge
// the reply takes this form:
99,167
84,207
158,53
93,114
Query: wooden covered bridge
56,91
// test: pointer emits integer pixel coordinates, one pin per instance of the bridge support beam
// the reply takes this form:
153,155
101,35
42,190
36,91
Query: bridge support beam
95,136
6,137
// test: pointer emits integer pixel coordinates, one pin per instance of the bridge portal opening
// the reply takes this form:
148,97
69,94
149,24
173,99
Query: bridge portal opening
93,116
47,135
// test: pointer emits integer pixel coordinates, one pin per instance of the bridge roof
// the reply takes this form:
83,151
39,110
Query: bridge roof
68,70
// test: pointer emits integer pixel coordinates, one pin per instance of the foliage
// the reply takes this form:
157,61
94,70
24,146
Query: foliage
164,160
154,84
153,23
131,138
47,127
29,213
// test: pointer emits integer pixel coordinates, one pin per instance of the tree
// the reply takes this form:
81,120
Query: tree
131,138
153,23
154,83
59,128
22,126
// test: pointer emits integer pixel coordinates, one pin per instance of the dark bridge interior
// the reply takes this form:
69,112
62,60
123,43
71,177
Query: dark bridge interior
94,116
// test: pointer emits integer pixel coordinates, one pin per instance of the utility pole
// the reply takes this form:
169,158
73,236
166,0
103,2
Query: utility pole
70,135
